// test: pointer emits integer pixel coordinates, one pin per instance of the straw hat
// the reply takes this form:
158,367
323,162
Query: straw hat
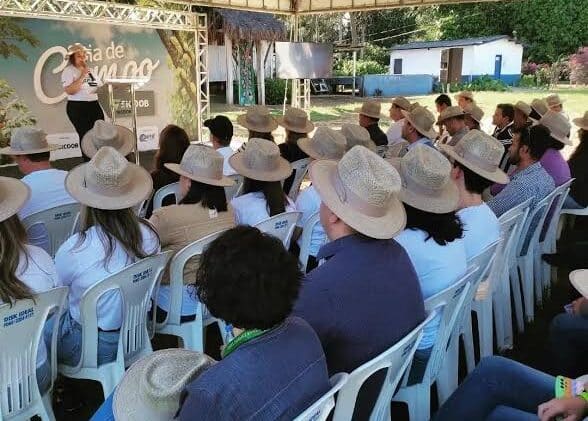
401,102
422,120
109,181
582,122
261,160
450,112
370,108
558,125
107,134
296,120
523,107
394,150
481,153
474,111
202,163
553,100
414,105
426,180
540,106
361,190
579,279
258,119
28,141
465,94
13,196
357,135
151,387
74,48
325,144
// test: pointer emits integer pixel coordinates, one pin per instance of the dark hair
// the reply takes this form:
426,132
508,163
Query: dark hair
261,135
507,110
372,119
474,183
13,238
443,228
443,100
534,114
476,122
248,279
39,157
292,137
71,59
173,142
582,148
273,192
210,197
537,143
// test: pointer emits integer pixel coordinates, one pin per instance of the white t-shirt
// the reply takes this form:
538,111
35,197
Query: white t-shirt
480,228
394,133
437,267
309,202
81,267
87,93
227,152
251,208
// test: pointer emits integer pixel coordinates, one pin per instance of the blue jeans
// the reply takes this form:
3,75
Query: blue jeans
69,341
499,389
105,412
568,338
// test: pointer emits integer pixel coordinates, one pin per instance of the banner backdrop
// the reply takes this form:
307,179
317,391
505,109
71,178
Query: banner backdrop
34,80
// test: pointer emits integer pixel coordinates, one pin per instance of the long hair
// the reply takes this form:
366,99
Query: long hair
272,191
121,227
443,228
292,137
210,197
13,238
261,135
582,148
173,142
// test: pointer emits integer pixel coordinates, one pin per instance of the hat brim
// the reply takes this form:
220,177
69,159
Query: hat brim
306,145
126,136
440,121
15,195
9,151
384,227
526,112
431,134
280,173
309,126
565,140
580,123
458,96
579,279
242,120
221,182
497,176
378,116
140,188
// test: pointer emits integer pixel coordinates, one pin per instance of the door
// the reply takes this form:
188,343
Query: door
497,66
397,66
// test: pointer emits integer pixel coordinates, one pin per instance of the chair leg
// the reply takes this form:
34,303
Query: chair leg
468,341
515,284
528,286
537,276
485,329
193,338
47,409
110,378
447,379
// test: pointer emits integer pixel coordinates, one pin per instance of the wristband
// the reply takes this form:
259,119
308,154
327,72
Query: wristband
584,395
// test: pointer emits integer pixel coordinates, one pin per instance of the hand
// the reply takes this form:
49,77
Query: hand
578,304
569,409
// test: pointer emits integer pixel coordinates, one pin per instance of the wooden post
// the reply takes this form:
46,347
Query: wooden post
259,46
229,61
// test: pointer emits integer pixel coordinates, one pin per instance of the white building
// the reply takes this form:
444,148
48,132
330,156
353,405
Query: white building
497,56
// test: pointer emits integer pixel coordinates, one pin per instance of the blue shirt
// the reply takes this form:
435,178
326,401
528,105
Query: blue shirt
273,377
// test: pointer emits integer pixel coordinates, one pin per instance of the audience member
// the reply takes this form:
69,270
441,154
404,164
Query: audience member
522,111
418,128
369,116
259,122
555,104
107,134
442,102
111,237
221,134
578,163
503,120
538,108
473,116
394,133
554,129
453,119
358,312
464,98
262,168
202,210
432,237
274,368
357,135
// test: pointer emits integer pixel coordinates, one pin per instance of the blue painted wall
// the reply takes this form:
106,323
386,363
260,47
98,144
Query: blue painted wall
508,79
393,85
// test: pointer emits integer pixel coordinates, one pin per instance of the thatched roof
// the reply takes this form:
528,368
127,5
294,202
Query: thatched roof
252,26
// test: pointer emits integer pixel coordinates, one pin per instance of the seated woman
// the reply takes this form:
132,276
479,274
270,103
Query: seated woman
24,269
258,121
202,211
262,168
111,237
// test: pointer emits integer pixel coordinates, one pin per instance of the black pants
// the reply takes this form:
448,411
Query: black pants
83,115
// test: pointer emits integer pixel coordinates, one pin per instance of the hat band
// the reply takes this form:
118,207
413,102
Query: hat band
205,172
354,201
476,160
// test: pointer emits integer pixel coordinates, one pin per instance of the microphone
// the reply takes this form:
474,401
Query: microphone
93,82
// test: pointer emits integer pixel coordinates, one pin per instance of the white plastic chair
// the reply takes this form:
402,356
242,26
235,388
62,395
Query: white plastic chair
162,193
450,303
135,283
301,168
306,238
234,190
21,331
192,332
321,409
281,226
57,223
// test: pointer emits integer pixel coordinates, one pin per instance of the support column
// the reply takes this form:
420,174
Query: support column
229,64
260,53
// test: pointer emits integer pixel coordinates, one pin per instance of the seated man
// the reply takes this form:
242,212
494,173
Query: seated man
503,120
418,128
453,119
465,98
369,116
221,133
366,296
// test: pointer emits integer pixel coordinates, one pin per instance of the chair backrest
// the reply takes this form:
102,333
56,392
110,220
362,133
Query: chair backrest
511,225
558,196
321,409
176,274
306,238
21,328
301,168
529,235
135,283
162,193
234,190
57,223
281,226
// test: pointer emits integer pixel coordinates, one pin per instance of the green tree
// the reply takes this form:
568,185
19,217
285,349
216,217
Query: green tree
12,36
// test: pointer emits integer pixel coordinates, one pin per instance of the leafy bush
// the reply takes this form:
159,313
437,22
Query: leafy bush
372,52
529,68
528,81
543,75
579,66
274,91
363,67
482,83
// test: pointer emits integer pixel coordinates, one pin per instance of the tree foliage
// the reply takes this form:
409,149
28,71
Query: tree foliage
11,35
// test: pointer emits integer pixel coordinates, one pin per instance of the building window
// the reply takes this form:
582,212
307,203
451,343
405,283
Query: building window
397,66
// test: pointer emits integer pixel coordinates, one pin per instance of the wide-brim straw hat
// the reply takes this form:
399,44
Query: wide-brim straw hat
74,48
553,100
540,106
401,102
582,122
481,153
109,181
295,120
13,196
465,94
450,112
258,119
28,141
107,134
356,135
422,120
426,180
370,108
559,126
325,144
152,387
203,164
474,112
261,161
361,190
523,107
579,279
